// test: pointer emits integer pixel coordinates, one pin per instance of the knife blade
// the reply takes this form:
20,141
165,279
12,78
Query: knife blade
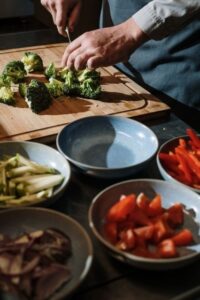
68,34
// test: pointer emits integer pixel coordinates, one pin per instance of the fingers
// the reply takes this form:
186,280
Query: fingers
61,19
95,62
74,16
70,49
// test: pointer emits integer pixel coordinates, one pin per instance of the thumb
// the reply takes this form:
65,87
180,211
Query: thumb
74,16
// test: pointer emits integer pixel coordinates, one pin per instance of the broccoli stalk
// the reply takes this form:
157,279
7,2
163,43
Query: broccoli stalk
15,71
27,187
23,180
32,62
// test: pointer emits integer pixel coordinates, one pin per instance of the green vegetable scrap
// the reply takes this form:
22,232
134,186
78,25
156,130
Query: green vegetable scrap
23,89
15,70
32,62
24,181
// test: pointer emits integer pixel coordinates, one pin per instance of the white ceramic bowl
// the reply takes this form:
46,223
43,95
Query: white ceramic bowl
107,146
44,155
170,193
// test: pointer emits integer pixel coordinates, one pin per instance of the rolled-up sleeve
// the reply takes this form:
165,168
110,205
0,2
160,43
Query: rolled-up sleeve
159,18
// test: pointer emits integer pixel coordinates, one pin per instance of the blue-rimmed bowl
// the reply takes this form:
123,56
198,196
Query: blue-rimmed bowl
107,146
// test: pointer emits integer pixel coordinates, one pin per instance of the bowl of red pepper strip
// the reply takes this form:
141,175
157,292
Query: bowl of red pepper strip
148,223
178,160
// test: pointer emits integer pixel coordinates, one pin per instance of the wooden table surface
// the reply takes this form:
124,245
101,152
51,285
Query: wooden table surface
108,278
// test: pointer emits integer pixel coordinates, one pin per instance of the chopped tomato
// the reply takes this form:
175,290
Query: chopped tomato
146,232
155,206
120,210
161,231
141,226
183,238
110,230
167,249
142,202
127,239
140,217
175,214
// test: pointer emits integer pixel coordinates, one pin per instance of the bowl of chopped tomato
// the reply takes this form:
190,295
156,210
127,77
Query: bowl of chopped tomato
148,223
178,160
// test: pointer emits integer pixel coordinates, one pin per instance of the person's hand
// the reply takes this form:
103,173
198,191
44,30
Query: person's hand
104,47
64,13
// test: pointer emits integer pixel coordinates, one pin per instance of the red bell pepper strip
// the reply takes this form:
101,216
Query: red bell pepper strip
193,136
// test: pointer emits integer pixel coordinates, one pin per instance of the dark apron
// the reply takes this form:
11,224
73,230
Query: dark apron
171,65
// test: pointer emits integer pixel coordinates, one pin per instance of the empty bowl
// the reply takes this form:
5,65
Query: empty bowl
107,146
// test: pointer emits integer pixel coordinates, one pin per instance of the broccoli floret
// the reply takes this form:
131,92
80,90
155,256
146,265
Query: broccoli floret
89,74
15,71
22,89
55,87
7,95
5,81
38,97
89,89
85,83
32,62
89,83
72,85
50,71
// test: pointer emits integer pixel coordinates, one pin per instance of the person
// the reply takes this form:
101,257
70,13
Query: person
155,42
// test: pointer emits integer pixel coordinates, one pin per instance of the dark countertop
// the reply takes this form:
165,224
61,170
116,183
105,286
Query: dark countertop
108,278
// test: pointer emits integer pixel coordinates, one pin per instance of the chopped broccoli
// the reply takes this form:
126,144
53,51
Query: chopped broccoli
55,87
63,73
89,89
22,89
50,71
32,62
15,71
89,74
5,80
38,97
72,85
7,95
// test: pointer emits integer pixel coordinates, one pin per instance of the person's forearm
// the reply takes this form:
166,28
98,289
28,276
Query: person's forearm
159,18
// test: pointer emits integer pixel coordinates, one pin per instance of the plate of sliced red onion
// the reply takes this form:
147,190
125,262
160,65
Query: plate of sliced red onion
44,254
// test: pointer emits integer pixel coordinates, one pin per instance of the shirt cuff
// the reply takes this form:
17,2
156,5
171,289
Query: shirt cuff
151,23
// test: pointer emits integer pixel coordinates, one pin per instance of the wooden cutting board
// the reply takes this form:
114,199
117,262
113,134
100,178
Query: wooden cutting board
120,96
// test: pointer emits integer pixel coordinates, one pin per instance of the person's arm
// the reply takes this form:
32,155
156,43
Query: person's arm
160,18
111,45
64,13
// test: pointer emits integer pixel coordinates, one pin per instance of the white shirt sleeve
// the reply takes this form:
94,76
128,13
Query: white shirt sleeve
159,18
